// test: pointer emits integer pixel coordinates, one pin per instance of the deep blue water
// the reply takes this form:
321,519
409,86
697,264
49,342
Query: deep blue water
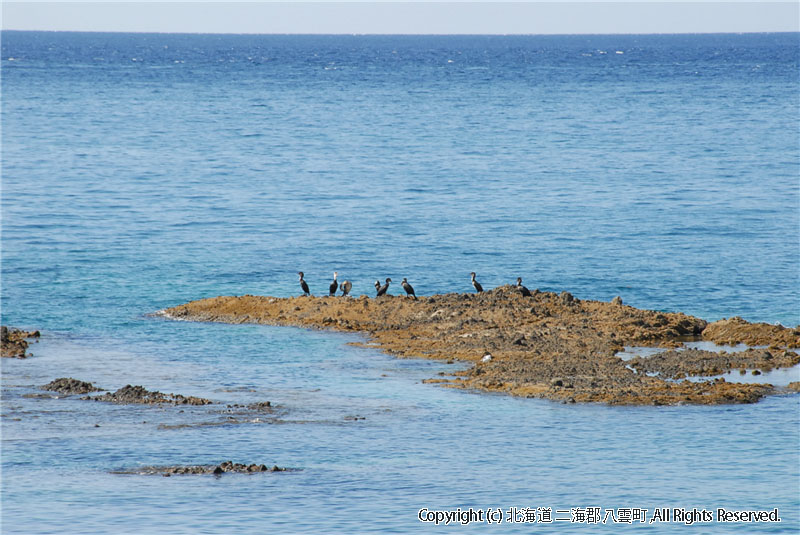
141,171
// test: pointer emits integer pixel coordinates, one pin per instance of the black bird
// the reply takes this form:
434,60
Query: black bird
303,283
382,289
377,286
334,286
345,286
525,292
476,284
408,288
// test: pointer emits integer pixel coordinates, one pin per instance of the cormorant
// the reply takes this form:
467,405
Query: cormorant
525,292
345,286
382,289
377,286
476,284
334,285
408,288
303,284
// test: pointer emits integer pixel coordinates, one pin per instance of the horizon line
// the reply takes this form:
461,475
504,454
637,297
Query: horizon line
140,32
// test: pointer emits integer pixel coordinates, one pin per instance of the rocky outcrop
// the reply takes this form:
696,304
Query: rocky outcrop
14,343
735,331
547,345
69,386
137,394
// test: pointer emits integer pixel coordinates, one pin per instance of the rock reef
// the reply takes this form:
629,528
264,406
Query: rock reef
548,345
222,468
137,394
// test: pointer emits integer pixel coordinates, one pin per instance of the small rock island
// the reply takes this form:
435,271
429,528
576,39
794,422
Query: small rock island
546,345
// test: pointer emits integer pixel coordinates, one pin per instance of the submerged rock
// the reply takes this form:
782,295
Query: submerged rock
222,468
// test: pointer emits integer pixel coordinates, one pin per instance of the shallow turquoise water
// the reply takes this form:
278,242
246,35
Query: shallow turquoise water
142,171
417,446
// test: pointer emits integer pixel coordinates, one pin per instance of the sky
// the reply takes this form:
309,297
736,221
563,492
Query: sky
382,17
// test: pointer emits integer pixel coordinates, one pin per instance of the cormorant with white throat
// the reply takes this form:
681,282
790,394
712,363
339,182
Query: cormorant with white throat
476,284
523,290
408,288
334,286
303,284
382,289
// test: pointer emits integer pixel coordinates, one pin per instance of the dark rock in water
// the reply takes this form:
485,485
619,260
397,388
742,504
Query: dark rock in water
13,342
137,394
68,385
222,468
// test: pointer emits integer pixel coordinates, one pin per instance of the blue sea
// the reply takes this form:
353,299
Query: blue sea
142,171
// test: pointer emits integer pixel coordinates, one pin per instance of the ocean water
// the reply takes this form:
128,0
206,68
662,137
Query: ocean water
140,171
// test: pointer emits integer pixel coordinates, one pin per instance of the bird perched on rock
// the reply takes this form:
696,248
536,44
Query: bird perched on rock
476,284
334,286
408,288
345,286
382,289
377,286
523,290
303,284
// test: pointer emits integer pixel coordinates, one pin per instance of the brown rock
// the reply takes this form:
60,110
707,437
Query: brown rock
68,385
13,342
534,342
